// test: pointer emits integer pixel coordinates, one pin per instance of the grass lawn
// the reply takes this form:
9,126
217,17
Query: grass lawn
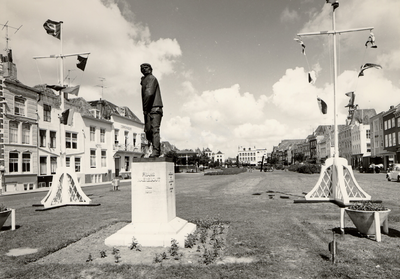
269,236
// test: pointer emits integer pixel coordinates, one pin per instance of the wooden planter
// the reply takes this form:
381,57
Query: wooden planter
364,220
3,217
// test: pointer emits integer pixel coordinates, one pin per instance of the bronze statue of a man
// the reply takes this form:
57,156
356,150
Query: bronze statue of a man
152,108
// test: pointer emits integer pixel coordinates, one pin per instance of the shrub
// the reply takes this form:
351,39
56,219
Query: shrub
306,168
368,206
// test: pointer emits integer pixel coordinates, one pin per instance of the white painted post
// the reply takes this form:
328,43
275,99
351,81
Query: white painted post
13,219
342,210
377,224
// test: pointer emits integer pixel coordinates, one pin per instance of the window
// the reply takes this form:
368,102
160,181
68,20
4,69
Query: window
26,162
13,162
13,132
43,165
116,132
103,135
126,163
52,139
126,138
393,122
92,158
19,107
92,133
67,162
26,133
368,134
104,158
53,164
389,123
394,139
134,139
398,122
390,140
42,138
46,113
77,164
71,140
95,113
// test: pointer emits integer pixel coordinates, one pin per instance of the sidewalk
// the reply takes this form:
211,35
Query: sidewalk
48,188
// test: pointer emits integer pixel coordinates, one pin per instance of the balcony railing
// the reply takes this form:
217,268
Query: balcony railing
125,147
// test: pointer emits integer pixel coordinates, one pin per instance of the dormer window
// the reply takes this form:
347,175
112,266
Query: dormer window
95,113
122,111
19,106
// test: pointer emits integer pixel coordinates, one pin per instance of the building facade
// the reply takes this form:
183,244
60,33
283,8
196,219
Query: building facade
251,155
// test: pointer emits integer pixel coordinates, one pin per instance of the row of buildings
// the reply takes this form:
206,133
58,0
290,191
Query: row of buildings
366,138
100,138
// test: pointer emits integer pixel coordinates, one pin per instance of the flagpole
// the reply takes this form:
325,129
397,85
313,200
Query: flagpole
332,184
335,86
62,130
66,189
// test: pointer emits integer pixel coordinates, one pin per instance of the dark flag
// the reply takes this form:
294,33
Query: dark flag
53,28
82,62
322,106
351,100
55,87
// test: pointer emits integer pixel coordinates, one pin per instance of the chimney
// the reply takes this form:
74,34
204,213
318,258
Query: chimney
391,107
7,67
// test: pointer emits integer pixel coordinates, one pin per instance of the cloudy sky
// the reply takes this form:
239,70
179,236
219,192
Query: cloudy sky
230,72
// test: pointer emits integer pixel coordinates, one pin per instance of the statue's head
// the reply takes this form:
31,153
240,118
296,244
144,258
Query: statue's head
146,69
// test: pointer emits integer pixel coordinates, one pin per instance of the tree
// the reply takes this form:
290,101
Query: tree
172,154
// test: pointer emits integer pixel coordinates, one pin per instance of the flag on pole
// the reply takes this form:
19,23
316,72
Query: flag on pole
371,40
367,66
81,62
53,28
351,100
322,106
55,87
312,77
303,46
72,90
67,117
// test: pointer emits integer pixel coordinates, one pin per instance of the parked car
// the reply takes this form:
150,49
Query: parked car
394,173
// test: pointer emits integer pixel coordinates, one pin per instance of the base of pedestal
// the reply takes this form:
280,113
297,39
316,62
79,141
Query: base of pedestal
152,234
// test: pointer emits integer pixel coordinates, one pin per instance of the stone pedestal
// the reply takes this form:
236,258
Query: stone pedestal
154,221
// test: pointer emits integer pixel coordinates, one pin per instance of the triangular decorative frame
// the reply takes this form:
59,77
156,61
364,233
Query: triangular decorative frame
65,190
337,183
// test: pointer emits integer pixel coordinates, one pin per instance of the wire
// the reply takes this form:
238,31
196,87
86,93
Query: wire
40,76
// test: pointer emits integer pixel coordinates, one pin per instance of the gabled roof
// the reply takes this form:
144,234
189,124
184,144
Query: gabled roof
285,144
362,116
107,109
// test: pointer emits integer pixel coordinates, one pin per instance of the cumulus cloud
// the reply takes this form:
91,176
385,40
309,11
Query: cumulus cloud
289,16
116,43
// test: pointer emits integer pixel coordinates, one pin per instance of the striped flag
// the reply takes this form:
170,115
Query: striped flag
72,90
53,28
